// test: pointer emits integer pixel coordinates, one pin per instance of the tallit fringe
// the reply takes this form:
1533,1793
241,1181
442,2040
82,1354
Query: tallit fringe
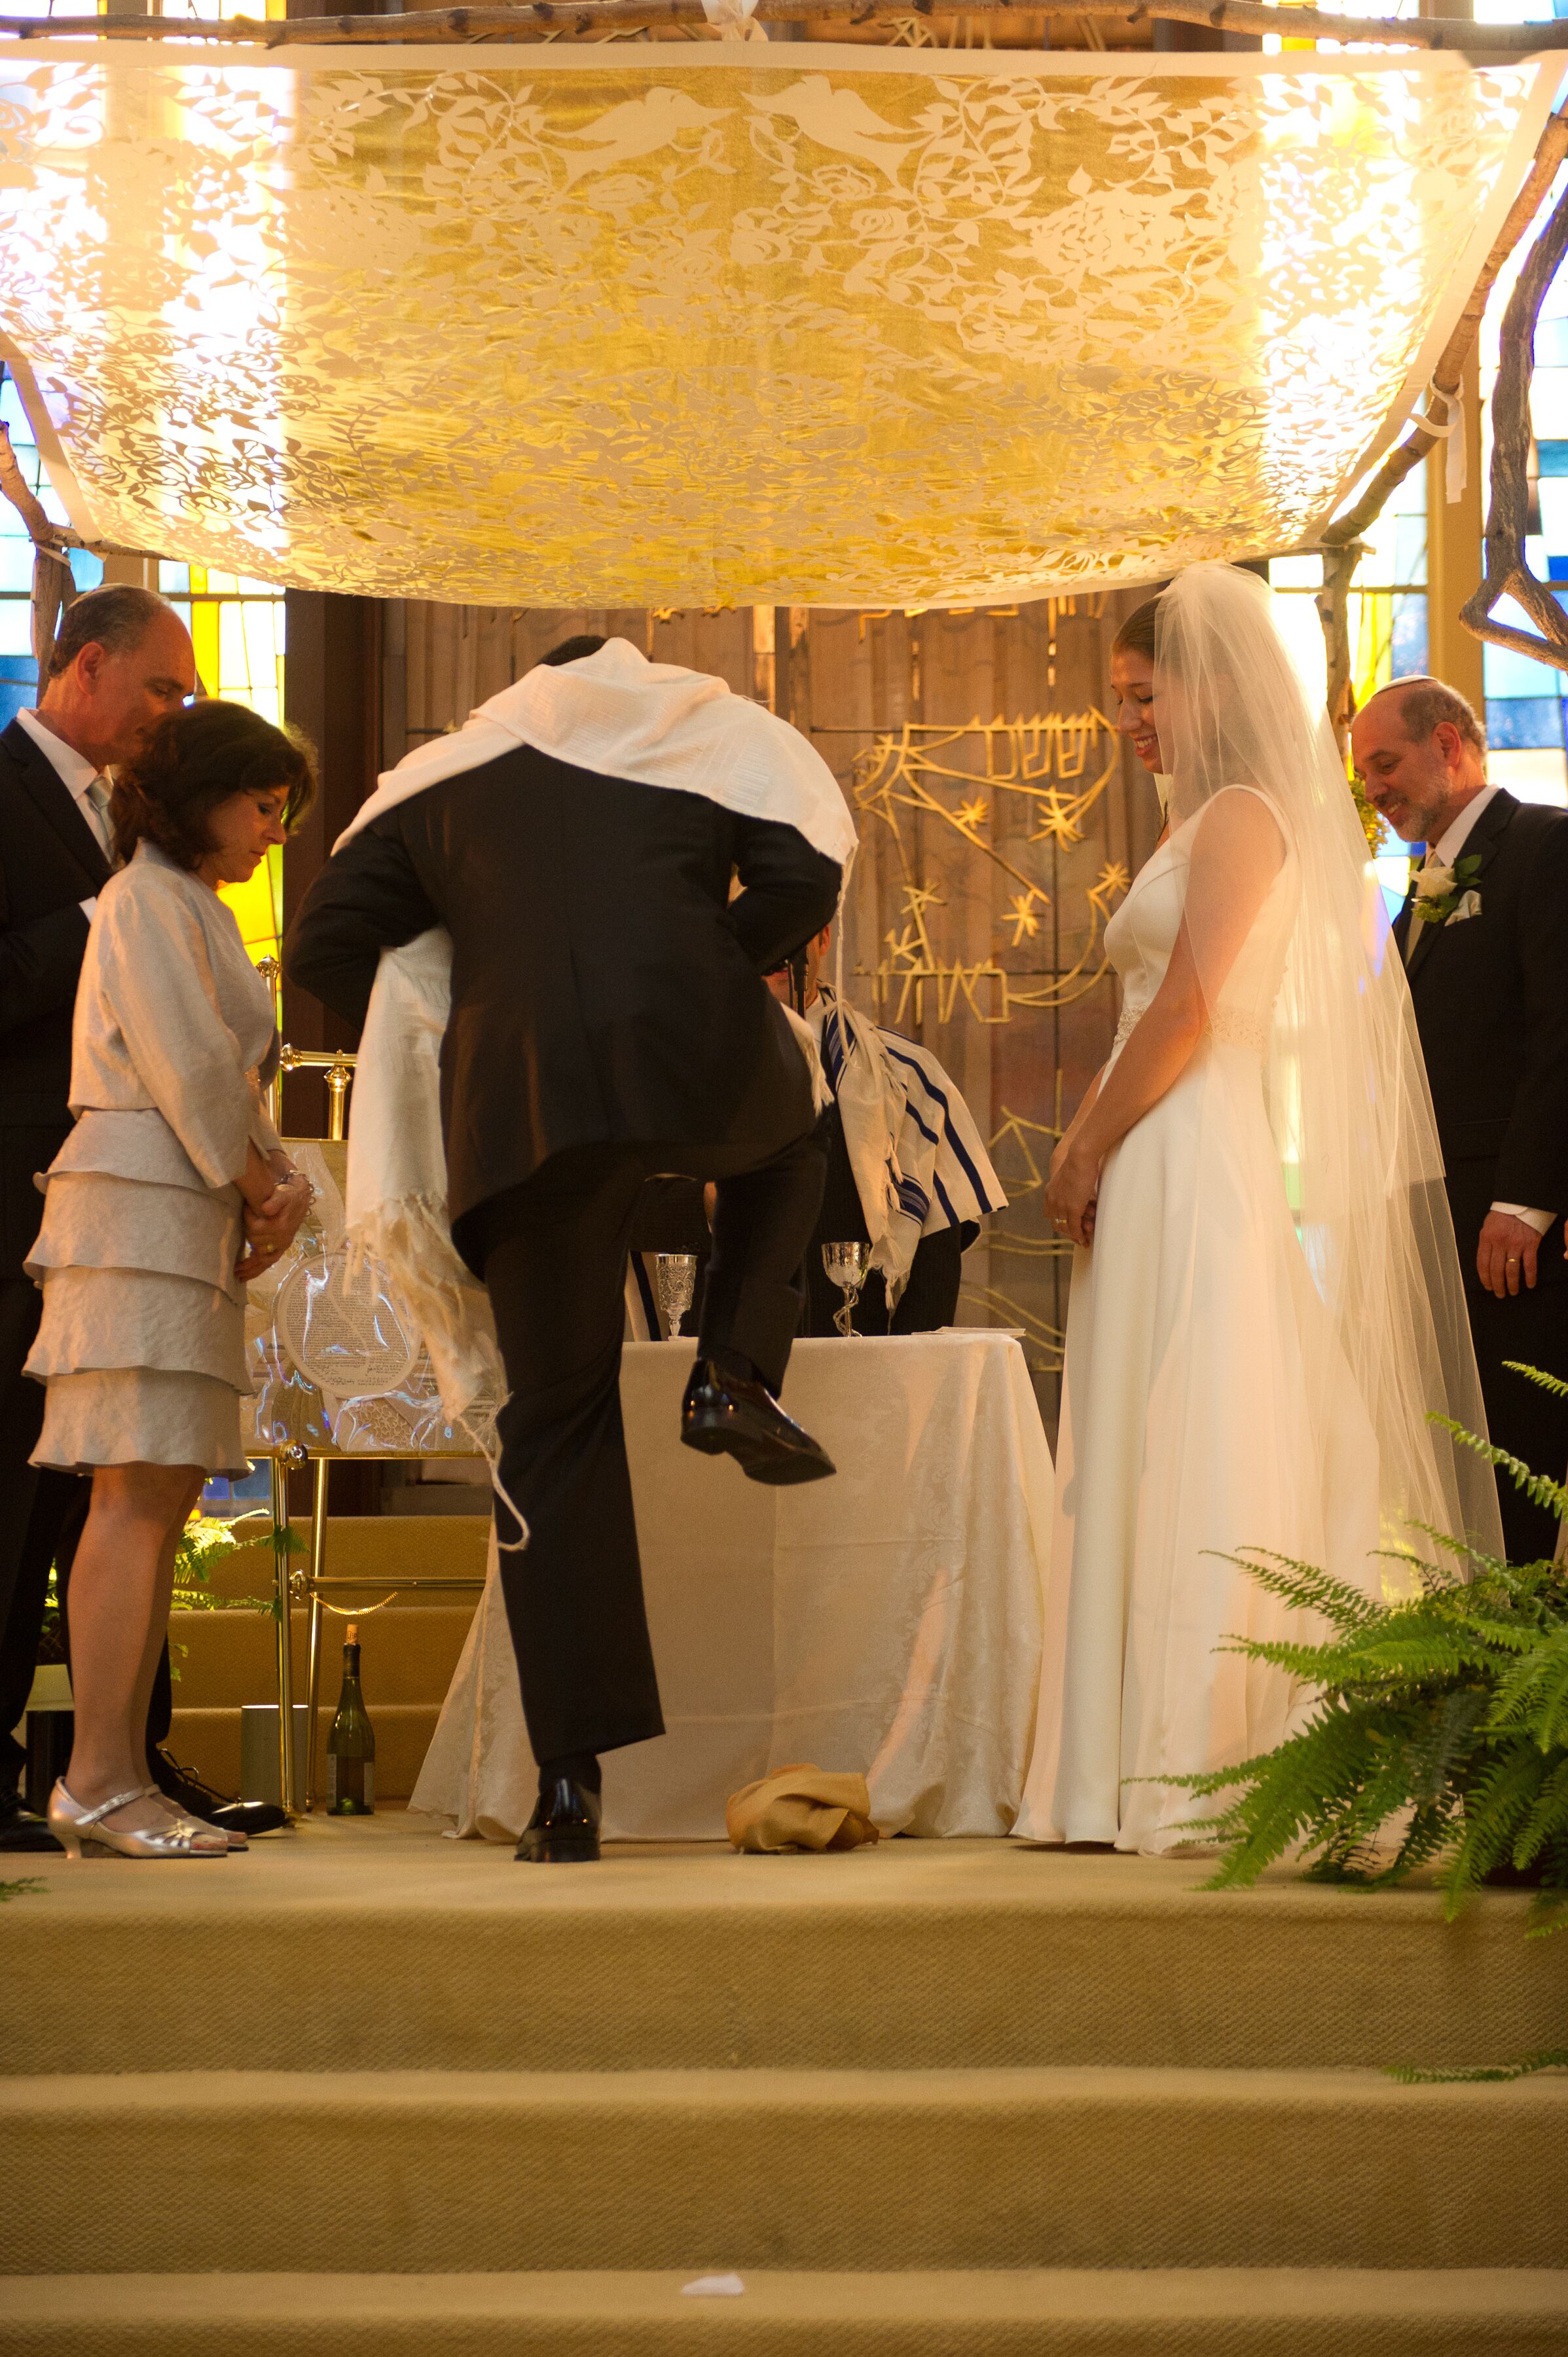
806,1040
410,1240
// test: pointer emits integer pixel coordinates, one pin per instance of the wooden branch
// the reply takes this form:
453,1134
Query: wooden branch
1508,573
13,483
586,19
1450,366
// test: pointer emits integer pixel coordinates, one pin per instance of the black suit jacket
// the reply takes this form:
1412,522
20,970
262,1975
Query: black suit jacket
604,988
1491,1004
50,861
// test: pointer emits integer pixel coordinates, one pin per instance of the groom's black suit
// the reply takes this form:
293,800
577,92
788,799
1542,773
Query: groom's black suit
608,1021
1491,1004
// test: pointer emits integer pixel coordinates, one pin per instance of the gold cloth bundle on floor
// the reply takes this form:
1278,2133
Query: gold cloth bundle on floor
802,1807
695,326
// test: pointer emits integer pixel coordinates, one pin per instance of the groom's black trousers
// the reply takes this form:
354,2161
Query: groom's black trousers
554,1252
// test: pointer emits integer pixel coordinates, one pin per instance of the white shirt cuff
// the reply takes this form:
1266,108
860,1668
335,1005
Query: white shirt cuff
1539,1220
87,906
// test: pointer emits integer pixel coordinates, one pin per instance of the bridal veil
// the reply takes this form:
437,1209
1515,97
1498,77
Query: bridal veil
1293,948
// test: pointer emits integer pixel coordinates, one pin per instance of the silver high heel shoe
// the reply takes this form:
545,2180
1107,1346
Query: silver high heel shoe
78,1830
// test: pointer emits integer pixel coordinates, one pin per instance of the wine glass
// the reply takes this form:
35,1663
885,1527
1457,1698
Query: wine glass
845,1265
675,1274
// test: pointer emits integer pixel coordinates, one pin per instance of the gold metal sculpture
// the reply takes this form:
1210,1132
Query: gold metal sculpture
1039,762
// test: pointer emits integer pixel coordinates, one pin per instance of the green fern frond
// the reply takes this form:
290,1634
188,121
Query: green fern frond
1306,1587
1546,1826
1554,2057
1539,1488
1497,1808
1533,1695
1549,1911
1553,1383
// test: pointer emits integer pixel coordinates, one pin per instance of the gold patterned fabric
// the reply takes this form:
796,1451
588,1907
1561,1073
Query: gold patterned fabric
694,324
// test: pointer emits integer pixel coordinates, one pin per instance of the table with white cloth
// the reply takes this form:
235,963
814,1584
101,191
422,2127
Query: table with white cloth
887,1620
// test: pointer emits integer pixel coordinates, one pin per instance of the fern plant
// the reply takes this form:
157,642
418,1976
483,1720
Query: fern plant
204,1544
1445,1715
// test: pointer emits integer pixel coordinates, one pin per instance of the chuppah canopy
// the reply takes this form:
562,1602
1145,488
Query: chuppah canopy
692,325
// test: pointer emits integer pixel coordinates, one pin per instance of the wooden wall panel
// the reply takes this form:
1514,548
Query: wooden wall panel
1003,901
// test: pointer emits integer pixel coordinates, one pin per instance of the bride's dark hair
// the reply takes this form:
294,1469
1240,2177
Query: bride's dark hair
1137,635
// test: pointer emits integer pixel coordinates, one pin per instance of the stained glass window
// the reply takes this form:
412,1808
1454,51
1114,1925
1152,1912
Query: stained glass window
236,626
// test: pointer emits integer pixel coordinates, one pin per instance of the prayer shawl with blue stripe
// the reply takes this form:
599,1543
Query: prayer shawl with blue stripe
918,1162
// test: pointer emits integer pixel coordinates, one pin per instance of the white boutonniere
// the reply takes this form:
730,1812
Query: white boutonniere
1445,895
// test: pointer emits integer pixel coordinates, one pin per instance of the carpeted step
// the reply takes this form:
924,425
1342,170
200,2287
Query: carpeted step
416,2170
368,1547
1206,2312
378,1944
225,1658
407,1654
208,1741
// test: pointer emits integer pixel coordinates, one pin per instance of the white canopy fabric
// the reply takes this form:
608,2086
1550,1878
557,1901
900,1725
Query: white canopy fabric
712,323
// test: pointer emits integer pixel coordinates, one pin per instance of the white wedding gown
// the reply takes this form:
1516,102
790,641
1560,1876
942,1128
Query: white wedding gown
1197,1346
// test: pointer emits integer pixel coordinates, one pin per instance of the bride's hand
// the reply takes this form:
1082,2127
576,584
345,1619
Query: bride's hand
1071,1192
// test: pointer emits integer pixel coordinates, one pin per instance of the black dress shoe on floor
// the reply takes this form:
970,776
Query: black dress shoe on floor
198,1799
564,1827
724,1414
21,1832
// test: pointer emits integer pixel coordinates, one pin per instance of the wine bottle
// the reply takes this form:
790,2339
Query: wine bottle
352,1744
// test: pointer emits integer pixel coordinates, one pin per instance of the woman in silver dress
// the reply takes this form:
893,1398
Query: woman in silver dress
171,1192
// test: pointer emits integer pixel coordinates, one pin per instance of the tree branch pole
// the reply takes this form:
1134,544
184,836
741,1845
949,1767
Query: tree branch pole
1342,542
586,19
53,586
1450,368
1508,573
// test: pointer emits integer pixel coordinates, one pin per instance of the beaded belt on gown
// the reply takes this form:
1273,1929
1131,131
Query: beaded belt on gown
1228,1025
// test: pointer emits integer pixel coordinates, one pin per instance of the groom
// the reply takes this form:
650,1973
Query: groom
1484,934
609,1021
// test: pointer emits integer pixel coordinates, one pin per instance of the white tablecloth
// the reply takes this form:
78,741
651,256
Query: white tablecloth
886,1620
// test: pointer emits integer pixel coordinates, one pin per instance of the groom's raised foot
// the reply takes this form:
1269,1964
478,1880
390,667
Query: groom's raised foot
725,1413
564,1827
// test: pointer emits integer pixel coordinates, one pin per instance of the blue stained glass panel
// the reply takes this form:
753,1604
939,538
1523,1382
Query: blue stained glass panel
1407,641
1508,673
17,627
1517,723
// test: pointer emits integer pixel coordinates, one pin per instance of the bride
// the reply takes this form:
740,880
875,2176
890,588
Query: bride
1266,1297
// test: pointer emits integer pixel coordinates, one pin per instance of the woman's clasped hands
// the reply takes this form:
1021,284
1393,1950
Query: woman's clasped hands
271,1224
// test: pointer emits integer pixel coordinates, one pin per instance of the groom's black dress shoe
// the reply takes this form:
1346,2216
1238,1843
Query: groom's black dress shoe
21,1832
564,1827
198,1799
724,1413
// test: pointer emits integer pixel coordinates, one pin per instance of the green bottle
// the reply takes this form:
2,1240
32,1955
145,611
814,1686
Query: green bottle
352,1745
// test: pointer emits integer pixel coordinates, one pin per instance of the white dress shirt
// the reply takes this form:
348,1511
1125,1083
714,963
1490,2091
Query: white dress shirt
1443,853
78,776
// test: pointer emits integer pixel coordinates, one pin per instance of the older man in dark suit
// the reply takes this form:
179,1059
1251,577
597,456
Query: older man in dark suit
1484,934
122,660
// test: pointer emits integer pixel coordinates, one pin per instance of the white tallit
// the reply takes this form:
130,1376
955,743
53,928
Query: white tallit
622,716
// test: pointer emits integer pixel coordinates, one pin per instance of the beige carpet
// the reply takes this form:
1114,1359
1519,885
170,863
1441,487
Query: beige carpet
1200,2313
929,2097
